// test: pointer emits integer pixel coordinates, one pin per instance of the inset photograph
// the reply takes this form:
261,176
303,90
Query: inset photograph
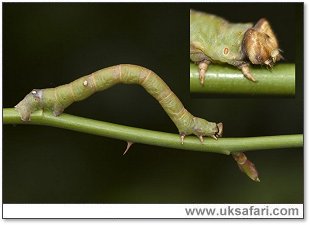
245,49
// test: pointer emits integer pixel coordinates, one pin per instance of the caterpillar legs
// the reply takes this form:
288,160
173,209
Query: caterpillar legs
215,133
197,56
245,69
182,136
203,67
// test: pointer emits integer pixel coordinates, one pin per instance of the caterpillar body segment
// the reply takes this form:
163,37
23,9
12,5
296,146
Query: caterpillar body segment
58,98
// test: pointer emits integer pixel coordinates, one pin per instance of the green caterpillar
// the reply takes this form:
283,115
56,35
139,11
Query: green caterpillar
58,98
215,40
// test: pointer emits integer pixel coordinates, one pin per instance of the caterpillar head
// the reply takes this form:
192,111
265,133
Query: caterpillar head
29,104
204,128
261,45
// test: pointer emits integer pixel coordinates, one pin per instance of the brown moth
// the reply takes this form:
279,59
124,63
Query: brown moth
215,40
58,98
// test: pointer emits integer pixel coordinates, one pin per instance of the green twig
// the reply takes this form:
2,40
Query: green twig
226,80
137,135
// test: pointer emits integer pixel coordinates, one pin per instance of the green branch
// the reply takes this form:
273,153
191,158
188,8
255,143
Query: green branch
137,135
226,80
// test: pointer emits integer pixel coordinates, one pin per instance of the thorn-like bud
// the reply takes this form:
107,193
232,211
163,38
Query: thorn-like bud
129,144
246,165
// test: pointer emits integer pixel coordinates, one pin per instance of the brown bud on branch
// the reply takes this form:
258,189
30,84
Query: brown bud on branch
246,165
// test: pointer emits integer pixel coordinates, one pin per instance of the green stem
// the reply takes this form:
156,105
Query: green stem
137,135
227,80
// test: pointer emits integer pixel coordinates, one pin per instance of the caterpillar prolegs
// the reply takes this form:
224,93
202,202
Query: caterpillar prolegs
58,98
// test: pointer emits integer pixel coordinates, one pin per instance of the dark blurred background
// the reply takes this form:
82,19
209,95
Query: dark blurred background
45,45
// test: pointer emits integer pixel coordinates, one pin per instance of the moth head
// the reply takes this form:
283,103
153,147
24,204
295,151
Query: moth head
29,104
261,45
205,128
